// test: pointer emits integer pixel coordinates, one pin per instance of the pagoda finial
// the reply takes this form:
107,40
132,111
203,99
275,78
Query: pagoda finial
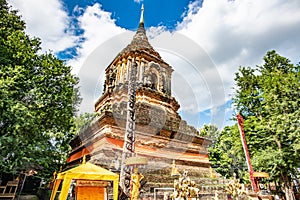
142,14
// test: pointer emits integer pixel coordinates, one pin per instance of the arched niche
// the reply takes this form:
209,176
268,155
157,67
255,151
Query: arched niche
152,76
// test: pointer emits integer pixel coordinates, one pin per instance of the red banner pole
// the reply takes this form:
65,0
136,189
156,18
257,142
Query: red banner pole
241,128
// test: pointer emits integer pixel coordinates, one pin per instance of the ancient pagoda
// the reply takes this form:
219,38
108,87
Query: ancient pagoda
161,135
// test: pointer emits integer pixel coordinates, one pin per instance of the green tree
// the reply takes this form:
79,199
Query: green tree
38,100
84,120
226,155
211,131
268,97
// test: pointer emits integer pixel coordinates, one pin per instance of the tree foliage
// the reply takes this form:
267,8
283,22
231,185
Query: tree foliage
38,100
84,120
226,155
211,131
268,97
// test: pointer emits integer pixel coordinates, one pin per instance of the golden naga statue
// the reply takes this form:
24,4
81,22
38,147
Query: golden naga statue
136,178
235,189
185,188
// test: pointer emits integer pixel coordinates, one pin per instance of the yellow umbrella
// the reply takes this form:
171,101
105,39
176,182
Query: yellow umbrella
85,171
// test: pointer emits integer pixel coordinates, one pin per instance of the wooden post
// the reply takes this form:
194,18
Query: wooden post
129,138
241,128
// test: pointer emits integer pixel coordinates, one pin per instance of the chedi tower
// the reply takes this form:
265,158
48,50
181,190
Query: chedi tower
160,134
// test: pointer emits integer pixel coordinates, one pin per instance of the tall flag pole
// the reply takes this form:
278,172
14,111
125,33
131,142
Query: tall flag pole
242,133
129,138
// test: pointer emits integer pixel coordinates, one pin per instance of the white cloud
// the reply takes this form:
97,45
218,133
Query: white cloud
239,32
153,32
48,21
98,27
96,52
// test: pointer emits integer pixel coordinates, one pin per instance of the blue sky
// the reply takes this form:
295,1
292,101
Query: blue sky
126,14
163,12
204,41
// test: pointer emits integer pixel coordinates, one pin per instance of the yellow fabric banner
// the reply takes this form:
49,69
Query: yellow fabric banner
90,193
